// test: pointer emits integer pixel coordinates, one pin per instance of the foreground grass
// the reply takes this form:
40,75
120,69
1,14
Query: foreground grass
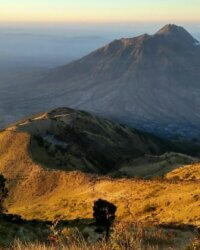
123,237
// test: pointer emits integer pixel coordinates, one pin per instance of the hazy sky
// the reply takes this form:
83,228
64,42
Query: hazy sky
99,10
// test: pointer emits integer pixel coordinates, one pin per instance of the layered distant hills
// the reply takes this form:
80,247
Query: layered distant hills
150,82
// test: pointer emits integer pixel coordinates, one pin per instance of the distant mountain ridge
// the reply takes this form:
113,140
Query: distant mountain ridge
106,59
150,81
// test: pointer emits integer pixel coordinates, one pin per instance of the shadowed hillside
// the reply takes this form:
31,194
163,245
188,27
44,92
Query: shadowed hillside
75,140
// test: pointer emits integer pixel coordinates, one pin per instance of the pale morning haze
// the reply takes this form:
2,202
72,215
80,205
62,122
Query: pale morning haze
98,11
100,124
49,33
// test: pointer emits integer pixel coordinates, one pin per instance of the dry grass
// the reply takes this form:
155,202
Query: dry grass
190,172
123,237
38,193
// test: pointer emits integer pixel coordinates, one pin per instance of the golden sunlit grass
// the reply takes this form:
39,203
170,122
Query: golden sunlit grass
189,173
39,193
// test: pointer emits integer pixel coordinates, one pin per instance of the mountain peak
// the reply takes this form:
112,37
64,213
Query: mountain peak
171,28
177,32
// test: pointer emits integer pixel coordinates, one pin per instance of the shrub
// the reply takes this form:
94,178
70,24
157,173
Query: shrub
104,214
3,192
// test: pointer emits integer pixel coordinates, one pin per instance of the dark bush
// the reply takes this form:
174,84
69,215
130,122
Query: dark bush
3,192
104,214
39,140
14,218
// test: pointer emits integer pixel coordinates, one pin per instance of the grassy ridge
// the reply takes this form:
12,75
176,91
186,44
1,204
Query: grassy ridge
39,193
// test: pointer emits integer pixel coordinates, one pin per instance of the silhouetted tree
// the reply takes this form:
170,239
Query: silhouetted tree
3,192
104,214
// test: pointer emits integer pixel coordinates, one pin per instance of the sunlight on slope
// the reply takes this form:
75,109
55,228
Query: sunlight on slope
39,193
189,173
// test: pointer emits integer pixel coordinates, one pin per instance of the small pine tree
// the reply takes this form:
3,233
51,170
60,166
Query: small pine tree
3,192
104,214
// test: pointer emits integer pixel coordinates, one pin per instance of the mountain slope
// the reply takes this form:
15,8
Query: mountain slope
46,165
75,140
150,82
138,81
